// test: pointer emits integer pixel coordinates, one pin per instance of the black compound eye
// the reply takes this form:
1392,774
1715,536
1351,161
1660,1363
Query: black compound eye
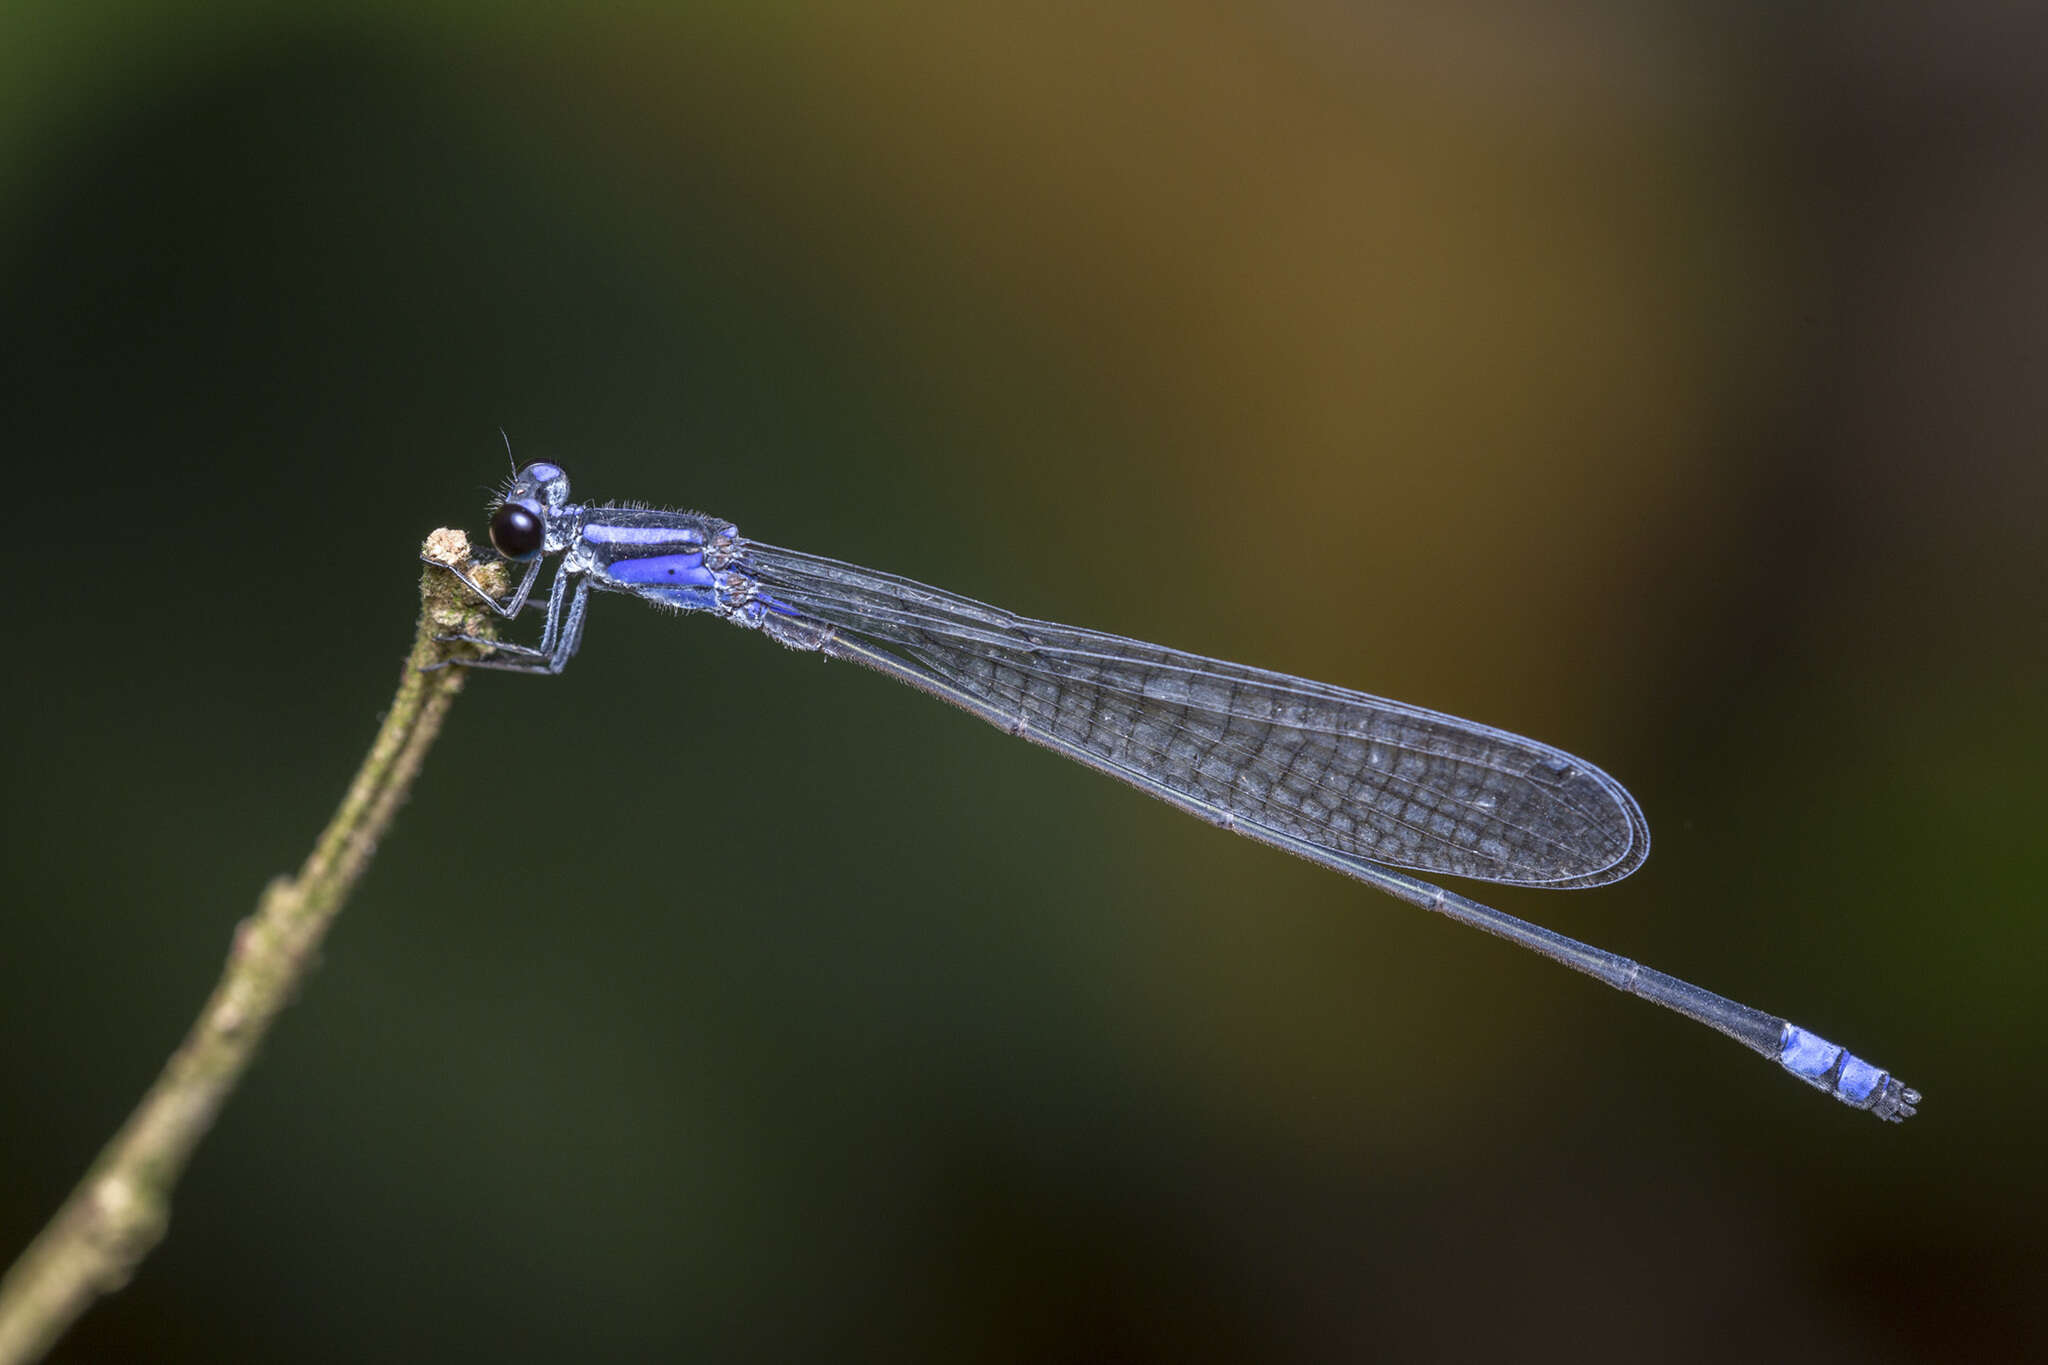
516,532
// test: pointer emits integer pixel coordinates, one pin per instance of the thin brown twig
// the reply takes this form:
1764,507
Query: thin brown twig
121,1209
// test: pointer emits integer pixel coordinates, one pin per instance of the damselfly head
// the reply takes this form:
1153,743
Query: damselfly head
519,516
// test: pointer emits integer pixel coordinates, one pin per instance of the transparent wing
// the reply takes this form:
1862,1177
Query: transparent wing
1339,770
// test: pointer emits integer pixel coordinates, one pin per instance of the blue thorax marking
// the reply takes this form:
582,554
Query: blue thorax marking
644,549
685,570
606,533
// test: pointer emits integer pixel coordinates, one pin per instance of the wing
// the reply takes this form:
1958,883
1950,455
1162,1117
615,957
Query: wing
1338,770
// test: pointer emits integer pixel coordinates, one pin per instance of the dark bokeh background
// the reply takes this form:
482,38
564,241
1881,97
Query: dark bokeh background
1665,383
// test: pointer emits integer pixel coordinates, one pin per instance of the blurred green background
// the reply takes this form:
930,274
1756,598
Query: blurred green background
1660,382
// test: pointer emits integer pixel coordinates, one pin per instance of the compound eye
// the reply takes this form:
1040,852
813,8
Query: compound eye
517,532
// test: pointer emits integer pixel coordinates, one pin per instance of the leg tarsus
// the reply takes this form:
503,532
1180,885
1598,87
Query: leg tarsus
512,605
558,641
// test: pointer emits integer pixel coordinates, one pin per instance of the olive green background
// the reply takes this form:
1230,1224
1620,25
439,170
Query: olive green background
1665,383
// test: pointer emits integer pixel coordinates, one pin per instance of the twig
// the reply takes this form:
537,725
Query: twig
121,1209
